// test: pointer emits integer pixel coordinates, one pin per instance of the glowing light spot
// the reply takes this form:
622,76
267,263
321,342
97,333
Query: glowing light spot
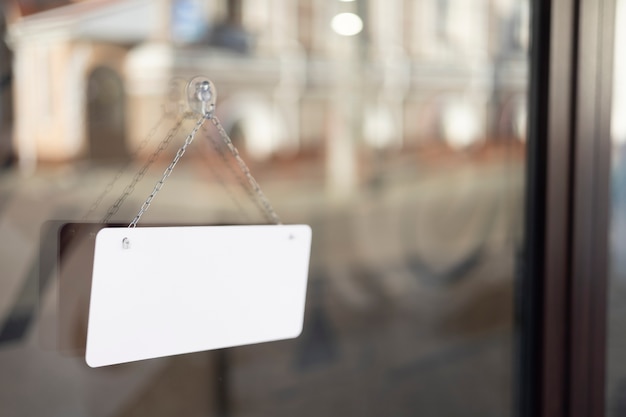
347,24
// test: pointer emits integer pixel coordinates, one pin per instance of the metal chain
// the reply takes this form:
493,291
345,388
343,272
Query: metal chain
142,171
269,210
168,170
220,179
238,175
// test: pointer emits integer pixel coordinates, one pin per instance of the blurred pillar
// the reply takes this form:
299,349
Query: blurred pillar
345,109
287,94
387,50
24,137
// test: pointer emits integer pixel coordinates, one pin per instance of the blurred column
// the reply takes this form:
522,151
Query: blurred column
286,97
387,52
24,135
345,121
40,110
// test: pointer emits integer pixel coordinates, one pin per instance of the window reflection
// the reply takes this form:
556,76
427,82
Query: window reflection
402,146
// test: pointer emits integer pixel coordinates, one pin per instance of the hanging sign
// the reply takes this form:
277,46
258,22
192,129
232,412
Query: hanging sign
160,291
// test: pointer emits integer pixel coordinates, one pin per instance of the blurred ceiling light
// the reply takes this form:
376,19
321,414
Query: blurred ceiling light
347,24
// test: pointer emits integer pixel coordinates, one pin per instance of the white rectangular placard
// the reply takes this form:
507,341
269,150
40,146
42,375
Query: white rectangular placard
160,291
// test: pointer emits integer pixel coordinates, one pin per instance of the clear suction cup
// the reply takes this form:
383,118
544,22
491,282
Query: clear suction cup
201,95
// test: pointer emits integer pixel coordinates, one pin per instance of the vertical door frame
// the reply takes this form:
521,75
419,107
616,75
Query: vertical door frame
562,308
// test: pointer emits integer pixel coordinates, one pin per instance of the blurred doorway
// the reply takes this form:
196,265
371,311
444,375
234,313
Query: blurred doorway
106,115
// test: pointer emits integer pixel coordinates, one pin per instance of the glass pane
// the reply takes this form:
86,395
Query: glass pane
395,128
616,368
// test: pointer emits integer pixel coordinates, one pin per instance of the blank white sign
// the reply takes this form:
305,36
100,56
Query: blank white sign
160,291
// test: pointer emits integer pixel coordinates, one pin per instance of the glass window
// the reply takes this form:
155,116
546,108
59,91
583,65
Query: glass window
397,132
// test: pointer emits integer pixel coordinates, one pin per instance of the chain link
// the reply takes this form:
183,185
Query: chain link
220,179
168,170
239,177
269,210
142,171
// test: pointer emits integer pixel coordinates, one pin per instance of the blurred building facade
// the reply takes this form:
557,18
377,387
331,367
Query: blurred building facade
91,77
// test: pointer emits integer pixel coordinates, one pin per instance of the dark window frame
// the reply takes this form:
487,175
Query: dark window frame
562,308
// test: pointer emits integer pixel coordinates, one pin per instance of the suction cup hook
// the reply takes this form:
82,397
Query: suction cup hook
201,96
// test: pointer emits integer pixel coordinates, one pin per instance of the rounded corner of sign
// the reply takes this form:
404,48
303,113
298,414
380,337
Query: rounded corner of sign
297,331
102,232
90,362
